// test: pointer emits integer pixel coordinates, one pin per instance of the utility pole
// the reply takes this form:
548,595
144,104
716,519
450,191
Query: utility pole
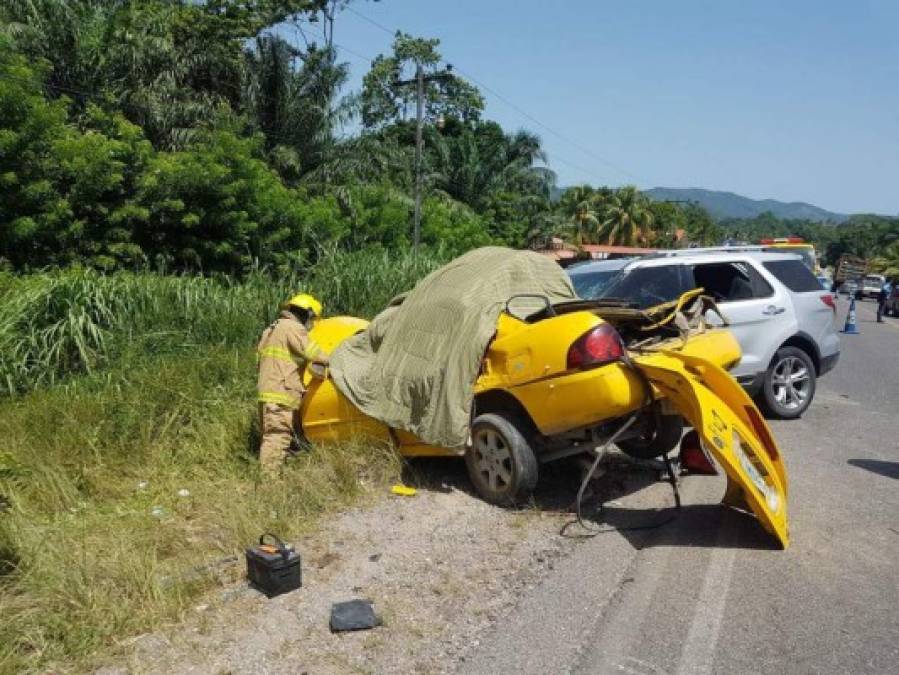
419,80
419,123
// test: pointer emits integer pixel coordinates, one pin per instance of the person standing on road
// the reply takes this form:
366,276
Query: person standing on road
284,351
882,296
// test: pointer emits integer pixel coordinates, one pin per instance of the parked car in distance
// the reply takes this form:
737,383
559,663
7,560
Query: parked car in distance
849,288
782,318
892,306
871,285
591,277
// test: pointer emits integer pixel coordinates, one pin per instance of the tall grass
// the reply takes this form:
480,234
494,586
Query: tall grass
128,389
74,321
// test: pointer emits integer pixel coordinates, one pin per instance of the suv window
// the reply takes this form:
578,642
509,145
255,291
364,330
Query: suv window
794,275
650,286
731,281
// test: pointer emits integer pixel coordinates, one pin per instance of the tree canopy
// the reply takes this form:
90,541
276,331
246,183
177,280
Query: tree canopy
219,135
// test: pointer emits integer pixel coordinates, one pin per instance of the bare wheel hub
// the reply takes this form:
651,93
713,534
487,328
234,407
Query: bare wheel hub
493,459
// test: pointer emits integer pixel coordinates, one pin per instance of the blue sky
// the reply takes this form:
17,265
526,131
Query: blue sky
797,101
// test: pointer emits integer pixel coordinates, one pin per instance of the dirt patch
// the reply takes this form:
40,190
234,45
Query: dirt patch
442,568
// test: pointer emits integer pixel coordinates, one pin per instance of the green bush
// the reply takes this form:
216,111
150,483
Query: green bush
218,207
63,188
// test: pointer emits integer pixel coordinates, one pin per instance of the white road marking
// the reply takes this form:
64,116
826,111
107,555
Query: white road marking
630,613
640,667
698,655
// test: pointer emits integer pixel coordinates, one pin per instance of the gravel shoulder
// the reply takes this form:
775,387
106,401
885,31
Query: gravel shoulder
441,568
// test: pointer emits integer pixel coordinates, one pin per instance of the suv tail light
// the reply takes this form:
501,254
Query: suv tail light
827,299
596,347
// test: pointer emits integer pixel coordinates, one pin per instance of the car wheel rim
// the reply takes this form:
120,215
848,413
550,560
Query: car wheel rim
493,459
791,383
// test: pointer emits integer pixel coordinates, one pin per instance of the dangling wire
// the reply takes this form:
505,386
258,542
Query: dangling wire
600,453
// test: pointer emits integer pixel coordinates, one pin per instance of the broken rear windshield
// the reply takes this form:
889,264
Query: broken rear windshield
589,285
649,286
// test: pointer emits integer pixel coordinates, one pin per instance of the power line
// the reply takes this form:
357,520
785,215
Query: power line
338,46
374,23
382,27
552,131
516,108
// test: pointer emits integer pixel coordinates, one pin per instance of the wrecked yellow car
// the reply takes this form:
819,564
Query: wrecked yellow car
560,380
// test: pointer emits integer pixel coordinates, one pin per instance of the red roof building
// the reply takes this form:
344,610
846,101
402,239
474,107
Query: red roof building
565,254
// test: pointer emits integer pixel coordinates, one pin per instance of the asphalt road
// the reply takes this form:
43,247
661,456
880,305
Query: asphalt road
707,593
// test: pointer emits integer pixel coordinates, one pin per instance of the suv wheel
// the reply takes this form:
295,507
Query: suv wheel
789,383
501,462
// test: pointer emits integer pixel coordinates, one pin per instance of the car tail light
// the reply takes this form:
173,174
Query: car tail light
596,347
761,430
827,299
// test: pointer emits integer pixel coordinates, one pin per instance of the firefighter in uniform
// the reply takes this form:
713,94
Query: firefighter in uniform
284,351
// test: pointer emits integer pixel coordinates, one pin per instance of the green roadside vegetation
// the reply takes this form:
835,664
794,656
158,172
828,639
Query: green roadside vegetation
141,387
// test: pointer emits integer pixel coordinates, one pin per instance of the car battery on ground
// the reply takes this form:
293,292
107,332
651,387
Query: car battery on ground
273,568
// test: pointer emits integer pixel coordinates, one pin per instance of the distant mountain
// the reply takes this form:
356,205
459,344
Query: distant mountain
730,205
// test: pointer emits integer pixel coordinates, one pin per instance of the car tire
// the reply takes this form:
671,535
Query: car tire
501,463
789,385
660,440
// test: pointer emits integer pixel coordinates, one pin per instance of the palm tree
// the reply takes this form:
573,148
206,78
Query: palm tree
70,35
543,225
472,162
297,110
371,157
626,219
579,204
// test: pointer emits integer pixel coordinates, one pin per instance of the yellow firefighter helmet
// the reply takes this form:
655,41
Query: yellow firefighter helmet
305,301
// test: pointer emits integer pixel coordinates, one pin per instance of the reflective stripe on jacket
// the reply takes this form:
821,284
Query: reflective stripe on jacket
283,351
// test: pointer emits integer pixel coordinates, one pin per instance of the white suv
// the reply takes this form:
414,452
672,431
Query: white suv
775,307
